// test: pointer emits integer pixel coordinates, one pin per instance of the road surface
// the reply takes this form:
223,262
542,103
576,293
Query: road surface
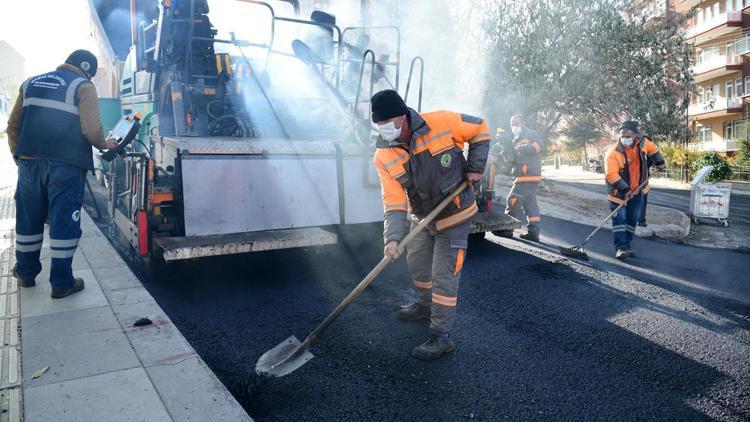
537,336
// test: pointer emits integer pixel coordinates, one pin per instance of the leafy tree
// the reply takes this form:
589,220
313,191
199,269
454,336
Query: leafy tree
579,132
721,170
744,150
553,59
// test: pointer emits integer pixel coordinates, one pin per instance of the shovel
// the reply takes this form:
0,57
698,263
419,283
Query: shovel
577,250
291,354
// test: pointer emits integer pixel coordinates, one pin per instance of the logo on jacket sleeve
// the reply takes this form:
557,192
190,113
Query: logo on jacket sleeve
445,160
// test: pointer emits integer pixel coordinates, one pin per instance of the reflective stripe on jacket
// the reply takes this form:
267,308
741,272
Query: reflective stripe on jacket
50,123
528,147
629,165
416,177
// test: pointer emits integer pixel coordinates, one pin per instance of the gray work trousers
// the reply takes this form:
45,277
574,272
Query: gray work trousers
522,196
435,261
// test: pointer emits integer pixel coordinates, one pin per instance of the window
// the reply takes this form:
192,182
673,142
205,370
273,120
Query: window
740,44
704,133
709,53
729,89
738,87
729,48
728,130
740,129
747,84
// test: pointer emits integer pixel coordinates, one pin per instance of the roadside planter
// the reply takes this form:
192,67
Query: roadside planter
709,200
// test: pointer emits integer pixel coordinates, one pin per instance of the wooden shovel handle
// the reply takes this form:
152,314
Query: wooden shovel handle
379,268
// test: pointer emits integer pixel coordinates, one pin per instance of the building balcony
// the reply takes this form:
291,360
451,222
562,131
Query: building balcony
715,145
716,67
717,26
718,107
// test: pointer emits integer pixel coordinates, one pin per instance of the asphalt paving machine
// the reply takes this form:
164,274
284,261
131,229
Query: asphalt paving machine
250,138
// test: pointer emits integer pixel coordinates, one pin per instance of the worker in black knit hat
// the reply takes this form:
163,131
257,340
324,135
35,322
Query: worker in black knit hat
420,161
626,174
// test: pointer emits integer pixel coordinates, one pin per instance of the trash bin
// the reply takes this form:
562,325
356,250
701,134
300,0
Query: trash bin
709,200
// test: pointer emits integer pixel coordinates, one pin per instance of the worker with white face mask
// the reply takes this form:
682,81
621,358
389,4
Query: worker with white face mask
526,156
626,172
420,161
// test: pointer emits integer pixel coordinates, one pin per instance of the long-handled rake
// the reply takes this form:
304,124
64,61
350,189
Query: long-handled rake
577,250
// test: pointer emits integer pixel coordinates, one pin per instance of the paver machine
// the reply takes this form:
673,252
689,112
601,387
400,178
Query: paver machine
250,136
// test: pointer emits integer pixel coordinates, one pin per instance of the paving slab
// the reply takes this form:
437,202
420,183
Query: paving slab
190,392
101,368
115,396
158,343
36,300
74,344
118,277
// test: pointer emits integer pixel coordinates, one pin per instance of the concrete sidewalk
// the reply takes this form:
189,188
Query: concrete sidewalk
100,367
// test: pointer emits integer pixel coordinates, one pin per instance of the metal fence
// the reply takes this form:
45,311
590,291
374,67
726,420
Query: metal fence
740,173
671,172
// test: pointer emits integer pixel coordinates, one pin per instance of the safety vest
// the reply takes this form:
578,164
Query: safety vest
528,157
617,156
431,166
50,124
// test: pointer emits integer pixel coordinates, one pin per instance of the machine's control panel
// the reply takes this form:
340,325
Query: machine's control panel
123,133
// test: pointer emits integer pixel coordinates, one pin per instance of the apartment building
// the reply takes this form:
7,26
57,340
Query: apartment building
720,108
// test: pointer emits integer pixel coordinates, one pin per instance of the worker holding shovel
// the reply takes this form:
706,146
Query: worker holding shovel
626,168
420,161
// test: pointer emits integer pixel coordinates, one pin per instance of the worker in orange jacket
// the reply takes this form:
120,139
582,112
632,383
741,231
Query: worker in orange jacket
526,156
420,161
626,169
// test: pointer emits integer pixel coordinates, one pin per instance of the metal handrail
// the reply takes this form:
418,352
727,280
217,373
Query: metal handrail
359,85
398,45
421,80
337,42
275,18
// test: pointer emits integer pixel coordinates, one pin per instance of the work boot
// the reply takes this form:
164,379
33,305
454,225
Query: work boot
624,253
434,347
21,281
414,312
531,237
77,286
642,224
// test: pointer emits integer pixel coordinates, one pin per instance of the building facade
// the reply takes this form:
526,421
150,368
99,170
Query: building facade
720,108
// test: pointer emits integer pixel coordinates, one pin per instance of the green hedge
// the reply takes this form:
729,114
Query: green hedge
721,170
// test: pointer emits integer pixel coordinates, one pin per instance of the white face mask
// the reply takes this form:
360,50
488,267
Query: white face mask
626,142
516,130
389,131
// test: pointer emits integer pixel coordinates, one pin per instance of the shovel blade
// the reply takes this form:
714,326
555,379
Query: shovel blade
283,359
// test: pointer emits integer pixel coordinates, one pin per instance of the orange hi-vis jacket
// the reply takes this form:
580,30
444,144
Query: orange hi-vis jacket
417,175
628,167
527,167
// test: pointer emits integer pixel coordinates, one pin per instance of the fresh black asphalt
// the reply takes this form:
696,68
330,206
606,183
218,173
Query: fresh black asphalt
537,336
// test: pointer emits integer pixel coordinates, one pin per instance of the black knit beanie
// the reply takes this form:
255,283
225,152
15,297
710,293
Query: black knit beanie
386,105
630,124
